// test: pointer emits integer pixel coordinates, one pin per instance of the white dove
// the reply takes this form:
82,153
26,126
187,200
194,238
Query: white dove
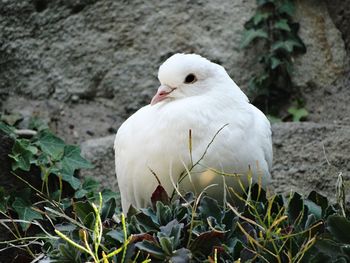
196,96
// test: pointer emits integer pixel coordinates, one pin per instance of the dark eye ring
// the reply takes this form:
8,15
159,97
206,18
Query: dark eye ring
190,78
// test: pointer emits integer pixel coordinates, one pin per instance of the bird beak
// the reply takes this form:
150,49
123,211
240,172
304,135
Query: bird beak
162,93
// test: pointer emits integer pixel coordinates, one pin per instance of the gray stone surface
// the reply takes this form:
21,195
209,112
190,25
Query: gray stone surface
309,156
339,10
101,154
108,48
325,60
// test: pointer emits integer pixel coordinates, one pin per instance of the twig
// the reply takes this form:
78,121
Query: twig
25,133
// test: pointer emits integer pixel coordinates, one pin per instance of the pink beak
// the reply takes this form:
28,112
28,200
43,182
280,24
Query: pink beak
162,93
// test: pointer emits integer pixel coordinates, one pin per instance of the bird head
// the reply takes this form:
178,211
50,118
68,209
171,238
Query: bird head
185,75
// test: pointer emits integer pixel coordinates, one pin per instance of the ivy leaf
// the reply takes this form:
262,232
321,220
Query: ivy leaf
287,45
287,8
37,124
259,17
90,185
51,145
283,25
22,154
108,209
7,129
251,34
25,212
275,62
74,182
297,113
72,160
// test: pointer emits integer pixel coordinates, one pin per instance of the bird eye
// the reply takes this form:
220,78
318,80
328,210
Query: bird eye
191,78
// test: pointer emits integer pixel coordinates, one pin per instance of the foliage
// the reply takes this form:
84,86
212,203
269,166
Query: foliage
85,226
59,196
269,229
273,30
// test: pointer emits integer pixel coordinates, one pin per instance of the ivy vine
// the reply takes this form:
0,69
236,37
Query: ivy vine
272,29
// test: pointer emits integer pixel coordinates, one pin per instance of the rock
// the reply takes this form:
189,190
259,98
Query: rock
101,154
326,59
107,49
340,12
309,156
330,104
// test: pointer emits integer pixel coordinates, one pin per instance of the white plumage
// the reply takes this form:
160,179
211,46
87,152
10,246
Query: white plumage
197,95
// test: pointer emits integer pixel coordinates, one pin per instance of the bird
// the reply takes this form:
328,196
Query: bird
199,125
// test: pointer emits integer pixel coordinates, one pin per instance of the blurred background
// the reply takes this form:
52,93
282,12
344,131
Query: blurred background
84,66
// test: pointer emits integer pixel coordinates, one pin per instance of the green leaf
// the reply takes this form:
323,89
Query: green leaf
108,194
74,182
172,229
51,145
145,223
164,213
22,154
7,129
116,235
298,113
37,124
108,209
72,160
314,209
90,184
275,62
259,17
282,24
251,34
80,193
287,8
151,248
85,212
166,244
25,212
287,45
319,200
339,227
209,208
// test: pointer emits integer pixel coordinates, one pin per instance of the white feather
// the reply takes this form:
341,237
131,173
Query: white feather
156,137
